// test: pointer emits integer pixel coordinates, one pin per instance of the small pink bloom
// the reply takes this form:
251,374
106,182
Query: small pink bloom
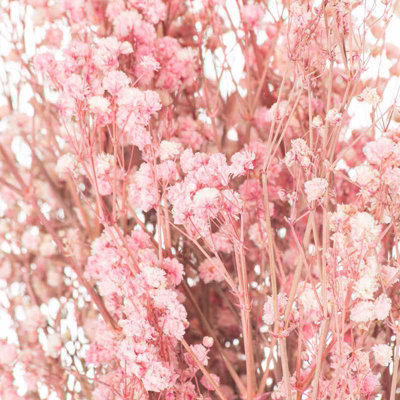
383,305
207,384
98,104
115,81
383,354
169,149
370,96
211,270
8,353
252,15
333,116
363,311
201,354
379,150
54,345
370,384
242,162
315,189
208,341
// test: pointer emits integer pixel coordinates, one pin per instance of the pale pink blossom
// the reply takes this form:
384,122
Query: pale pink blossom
8,353
383,305
207,384
205,201
315,189
175,270
382,354
169,149
299,152
201,354
379,150
370,384
365,287
370,96
242,162
363,311
258,234
98,104
154,277
268,311
149,63
317,121
252,15
211,270
208,341
67,165
158,377
333,116
53,37
54,345
76,87
115,81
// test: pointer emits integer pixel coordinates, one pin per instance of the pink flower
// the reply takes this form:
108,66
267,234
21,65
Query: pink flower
158,377
383,305
154,10
364,228
76,87
201,354
207,384
205,202
211,270
54,345
106,55
370,96
169,149
66,164
8,353
154,277
104,186
125,22
252,15
333,116
44,62
208,341
370,384
149,64
143,193
175,271
365,287
315,189
53,37
363,311
98,104
66,106
242,162
367,176
378,150
300,152
167,172
268,314
382,354
115,81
